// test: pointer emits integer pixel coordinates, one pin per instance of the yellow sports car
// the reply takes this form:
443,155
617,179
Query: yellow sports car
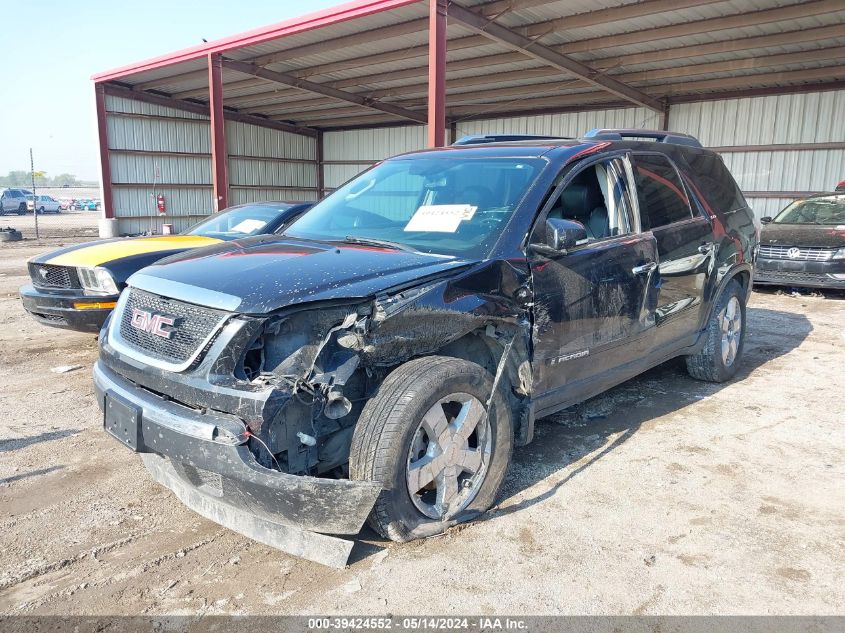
76,287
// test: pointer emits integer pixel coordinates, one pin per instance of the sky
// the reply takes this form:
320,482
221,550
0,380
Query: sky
51,48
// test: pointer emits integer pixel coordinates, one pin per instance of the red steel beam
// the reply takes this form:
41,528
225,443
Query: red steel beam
321,166
437,72
105,164
219,158
326,17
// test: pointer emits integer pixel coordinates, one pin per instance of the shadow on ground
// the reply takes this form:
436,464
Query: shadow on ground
17,443
599,425
32,473
827,293
602,424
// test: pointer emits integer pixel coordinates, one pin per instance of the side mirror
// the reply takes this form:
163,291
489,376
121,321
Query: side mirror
561,235
766,219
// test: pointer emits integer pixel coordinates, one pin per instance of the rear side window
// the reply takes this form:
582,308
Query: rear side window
663,199
715,182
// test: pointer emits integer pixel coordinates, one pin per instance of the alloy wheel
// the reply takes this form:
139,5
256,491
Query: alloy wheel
448,456
730,321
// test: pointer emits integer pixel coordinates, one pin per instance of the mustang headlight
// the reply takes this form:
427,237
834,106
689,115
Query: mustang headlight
840,254
97,280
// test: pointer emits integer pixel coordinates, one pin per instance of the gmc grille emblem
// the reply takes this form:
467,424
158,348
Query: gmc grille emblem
152,322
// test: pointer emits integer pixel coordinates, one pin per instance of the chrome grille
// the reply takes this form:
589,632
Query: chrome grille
804,253
193,327
49,276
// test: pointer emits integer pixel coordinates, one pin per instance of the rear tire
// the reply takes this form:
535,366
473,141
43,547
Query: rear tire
426,438
721,355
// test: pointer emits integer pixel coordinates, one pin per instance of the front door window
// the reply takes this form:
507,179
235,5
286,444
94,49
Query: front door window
590,301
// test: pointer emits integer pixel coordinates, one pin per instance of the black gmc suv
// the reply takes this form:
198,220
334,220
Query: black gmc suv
382,357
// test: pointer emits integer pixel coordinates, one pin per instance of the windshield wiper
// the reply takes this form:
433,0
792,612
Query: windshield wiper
370,241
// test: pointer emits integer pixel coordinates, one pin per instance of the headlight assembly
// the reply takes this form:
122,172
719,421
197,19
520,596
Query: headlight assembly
97,281
840,254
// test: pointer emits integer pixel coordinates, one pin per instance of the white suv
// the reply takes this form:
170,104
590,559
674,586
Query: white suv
13,201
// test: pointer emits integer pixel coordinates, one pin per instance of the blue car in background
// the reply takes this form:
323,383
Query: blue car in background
86,204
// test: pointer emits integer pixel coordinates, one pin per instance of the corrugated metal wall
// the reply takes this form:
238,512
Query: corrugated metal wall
572,124
266,164
158,150
348,153
758,121
155,149
816,117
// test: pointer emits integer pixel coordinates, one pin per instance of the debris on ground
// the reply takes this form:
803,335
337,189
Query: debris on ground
63,369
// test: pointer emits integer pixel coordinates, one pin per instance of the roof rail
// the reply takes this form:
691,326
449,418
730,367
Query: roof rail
479,139
660,136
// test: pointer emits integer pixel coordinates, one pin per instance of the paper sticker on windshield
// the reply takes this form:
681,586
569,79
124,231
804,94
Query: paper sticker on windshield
440,218
247,226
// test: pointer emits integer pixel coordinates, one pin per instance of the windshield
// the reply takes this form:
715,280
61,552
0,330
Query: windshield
238,222
449,206
828,210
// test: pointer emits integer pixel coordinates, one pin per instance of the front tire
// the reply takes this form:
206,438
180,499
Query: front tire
427,437
722,352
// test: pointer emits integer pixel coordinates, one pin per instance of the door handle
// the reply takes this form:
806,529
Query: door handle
706,249
645,268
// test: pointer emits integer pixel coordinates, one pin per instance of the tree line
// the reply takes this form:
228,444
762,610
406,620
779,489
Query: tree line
22,178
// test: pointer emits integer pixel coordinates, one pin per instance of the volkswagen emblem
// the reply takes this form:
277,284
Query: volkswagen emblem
793,253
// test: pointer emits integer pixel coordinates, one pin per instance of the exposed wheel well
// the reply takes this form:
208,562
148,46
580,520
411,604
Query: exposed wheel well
744,279
516,379
475,348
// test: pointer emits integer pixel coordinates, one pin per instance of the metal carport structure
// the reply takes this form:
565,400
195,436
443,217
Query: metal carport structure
295,108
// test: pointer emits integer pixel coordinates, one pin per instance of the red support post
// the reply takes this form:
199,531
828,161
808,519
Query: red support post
321,165
219,156
664,117
105,165
437,10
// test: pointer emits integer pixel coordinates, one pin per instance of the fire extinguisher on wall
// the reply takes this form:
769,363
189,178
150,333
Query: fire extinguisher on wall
160,204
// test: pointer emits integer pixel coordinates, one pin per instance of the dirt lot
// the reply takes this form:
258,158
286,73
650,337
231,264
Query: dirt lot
65,225
664,496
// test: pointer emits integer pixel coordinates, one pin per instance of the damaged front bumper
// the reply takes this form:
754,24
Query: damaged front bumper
203,458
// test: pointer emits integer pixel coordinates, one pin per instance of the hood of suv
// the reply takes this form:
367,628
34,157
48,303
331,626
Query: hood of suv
822,235
262,274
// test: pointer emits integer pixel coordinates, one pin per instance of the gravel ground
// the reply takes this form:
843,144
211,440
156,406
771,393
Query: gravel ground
663,496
